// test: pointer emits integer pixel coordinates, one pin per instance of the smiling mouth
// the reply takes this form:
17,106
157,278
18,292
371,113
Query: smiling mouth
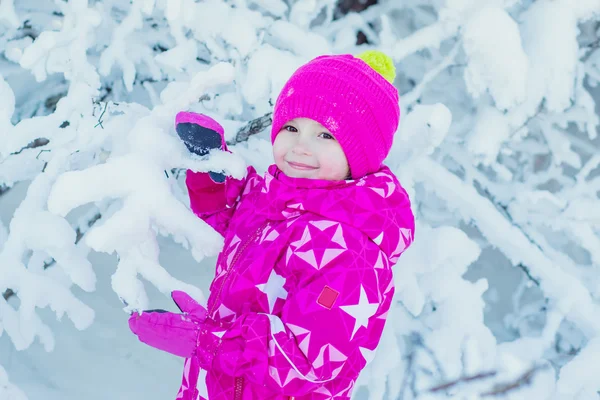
300,166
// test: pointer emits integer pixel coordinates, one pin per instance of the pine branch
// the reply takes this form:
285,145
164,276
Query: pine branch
251,128
39,142
80,232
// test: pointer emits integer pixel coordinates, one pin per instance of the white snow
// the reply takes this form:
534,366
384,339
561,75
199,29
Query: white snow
496,61
497,147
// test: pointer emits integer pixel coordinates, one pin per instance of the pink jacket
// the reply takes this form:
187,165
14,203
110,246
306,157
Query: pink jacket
303,284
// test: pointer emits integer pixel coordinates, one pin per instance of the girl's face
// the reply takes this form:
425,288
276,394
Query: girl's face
306,149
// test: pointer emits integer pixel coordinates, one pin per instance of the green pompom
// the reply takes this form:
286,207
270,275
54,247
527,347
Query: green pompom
380,62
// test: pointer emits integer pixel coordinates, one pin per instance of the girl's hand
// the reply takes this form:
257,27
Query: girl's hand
201,134
171,332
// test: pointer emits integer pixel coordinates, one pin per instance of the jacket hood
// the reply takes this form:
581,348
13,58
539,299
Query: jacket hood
376,205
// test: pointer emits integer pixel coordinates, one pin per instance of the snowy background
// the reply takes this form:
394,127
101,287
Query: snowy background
498,146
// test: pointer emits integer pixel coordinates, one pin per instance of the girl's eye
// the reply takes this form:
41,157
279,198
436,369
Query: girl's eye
325,135
290,128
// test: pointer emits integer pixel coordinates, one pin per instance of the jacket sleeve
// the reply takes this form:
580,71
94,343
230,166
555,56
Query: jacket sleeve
336,314
215,202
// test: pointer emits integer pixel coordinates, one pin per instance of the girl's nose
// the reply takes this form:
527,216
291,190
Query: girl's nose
301,148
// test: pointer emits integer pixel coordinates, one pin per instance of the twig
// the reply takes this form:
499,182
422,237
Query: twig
4,189
502,389
464,379
252,128
414,95
429,36
528,273
7,294
503,209
101,115
499,389
408,373
417,340
39,142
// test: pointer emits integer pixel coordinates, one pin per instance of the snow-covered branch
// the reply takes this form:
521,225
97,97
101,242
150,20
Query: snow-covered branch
498,148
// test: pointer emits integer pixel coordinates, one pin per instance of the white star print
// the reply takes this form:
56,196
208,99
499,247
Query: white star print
273,289
361,312
305,238
328,256
334,355
299,332
324,390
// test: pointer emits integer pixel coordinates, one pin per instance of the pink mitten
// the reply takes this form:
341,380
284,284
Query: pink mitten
171,332
201,134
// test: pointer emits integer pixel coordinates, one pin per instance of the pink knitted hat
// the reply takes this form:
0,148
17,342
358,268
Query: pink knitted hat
352,100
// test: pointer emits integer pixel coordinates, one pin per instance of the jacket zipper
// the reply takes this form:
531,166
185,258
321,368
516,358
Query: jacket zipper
233,262
239,385
239,381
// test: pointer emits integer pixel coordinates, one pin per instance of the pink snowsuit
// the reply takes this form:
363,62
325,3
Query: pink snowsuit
303,284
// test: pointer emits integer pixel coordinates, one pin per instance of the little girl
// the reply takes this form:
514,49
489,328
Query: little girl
304,281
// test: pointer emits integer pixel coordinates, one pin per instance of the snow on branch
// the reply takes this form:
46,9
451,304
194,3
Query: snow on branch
497,147
148,204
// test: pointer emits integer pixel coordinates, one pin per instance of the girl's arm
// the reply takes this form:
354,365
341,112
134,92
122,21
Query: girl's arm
213,196
337,313
215,202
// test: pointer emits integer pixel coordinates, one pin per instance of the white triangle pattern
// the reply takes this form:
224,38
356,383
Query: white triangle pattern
378,239
268,234
329,255
338,237
233,246
379,191
323,390
224,312
322,225
308,256
305,344
334,355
